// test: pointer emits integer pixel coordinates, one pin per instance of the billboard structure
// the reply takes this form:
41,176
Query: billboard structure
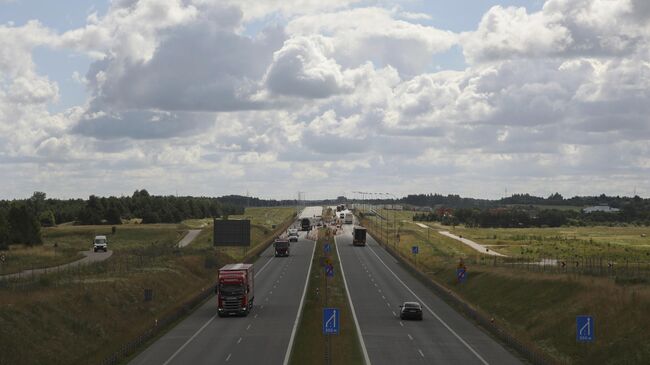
232,233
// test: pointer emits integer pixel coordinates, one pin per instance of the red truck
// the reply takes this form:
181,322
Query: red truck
235,290
281,247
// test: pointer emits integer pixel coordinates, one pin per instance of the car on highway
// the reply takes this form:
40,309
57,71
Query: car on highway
410,310
100,243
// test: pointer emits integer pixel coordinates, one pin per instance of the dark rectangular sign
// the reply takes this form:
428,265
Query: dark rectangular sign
232,232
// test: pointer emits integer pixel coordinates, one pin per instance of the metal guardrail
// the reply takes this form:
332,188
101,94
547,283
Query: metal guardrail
131,347
528,352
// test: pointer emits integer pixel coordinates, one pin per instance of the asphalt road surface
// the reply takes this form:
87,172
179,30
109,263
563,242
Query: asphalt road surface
378,285
260,338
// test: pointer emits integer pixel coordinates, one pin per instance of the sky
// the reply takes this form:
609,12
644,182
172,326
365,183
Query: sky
270,98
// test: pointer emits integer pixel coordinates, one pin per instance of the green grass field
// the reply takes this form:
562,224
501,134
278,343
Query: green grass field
309,347
540,309
97,308
617,243
264,221
71,239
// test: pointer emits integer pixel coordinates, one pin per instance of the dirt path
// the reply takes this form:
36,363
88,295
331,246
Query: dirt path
189,237
478,247
89,259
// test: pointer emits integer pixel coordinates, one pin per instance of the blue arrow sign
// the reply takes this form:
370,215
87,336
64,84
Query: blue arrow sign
331,321
415,250
461,274
329,271
327,248
584,328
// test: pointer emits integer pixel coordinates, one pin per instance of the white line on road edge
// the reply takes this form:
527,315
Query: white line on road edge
189,340
430,310
205,325
354,314
299,314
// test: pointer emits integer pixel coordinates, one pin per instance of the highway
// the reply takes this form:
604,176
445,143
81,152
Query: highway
261,338
378,285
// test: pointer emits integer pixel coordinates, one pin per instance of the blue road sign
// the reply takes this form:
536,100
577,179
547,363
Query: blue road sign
329,271
461,274
415,250
327,248
331,321
584,328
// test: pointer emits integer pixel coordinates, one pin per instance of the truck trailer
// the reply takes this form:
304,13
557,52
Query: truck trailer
349,218
359,236
235,290
305,224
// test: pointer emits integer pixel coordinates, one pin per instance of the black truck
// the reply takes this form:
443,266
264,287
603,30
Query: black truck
305,224
359,236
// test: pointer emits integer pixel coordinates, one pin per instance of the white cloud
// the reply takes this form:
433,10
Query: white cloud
328,96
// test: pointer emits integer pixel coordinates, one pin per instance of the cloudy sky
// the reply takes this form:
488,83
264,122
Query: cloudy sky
213,97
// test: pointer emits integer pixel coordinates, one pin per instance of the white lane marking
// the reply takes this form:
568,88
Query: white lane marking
379,290
248,327
189,340
239,341
410,337
383,297
420,351
299,314
388,304
228,358
401,324
262,306
431,311
255,315
207,323
354,314
271,292
376,285
394,314
264,267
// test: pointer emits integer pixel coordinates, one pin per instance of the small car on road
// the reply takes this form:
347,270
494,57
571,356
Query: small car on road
410,310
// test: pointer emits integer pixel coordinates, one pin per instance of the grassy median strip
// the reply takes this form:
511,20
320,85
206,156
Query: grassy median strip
310,345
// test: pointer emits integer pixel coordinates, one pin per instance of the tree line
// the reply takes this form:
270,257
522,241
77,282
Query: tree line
21,220
632,211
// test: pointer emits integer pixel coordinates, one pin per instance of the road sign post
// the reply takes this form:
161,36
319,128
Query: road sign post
415,250
585,329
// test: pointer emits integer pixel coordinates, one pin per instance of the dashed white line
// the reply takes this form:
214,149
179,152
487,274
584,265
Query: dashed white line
228,358
354,314
410,337
255,315
394,314
239,341
248,327
189,340
421,354
388,304
401,324
478,356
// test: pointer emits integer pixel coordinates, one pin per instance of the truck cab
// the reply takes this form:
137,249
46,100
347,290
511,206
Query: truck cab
293,235
281,247
235,290
100,243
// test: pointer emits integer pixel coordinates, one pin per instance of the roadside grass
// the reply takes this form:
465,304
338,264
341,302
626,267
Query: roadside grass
81,316
617,243
72,239
541,309
310,343
82,321
264,222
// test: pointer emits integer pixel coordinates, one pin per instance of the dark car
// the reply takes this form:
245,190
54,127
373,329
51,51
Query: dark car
410,310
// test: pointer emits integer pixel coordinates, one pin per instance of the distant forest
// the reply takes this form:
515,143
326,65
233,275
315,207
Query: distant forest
21,220
523,210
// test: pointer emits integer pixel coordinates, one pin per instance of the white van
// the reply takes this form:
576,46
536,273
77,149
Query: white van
100,243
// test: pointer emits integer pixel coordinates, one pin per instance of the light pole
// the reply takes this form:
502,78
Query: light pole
394,218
